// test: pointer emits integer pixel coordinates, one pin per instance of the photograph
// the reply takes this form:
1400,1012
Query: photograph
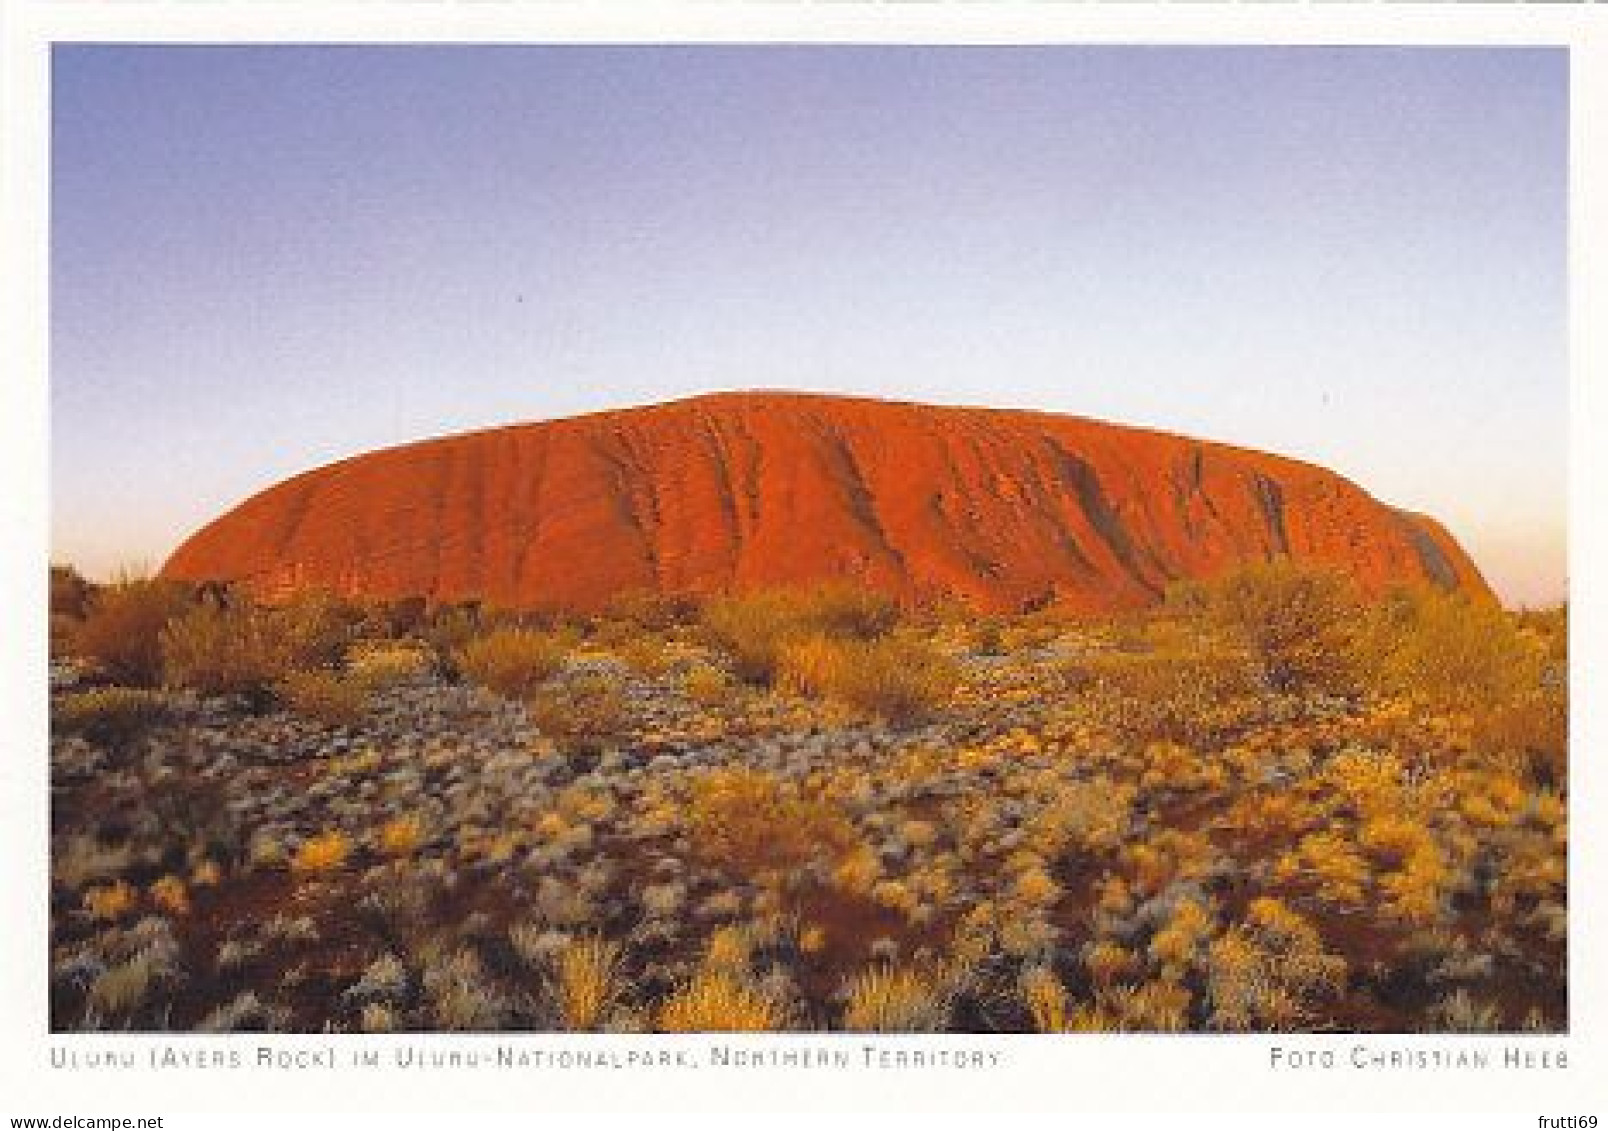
799,538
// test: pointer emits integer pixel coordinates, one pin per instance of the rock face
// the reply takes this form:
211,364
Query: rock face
1002,509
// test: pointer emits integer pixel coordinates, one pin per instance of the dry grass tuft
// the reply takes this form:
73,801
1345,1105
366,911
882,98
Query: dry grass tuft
225,651
513,662
753,629
720,1001
324,696
888,999
586,976
900,679
386,664
171,894
1046,999
323,853
1191,695
706,685
401,836
122,989
580,714
109,715
753,822
110,901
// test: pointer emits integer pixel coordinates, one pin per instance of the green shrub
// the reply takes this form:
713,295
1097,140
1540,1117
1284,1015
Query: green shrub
987,636
324,696
1549,629
752,631
227,651
315,628
1295,621
581,714
62,629
511,661
1448,651
109,715
1535,726
1508,672
121,633
448,629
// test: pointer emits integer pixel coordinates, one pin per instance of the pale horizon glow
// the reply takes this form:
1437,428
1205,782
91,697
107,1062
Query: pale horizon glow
268,258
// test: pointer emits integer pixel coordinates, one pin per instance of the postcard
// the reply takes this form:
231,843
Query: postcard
602,561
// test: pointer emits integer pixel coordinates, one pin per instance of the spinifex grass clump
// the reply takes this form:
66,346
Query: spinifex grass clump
1188,694
513,662
585,982
752,822
220,651
332,698
719,1001
896,1000
754,629
580,715
900,679
321,854
245,649
383,664
109,714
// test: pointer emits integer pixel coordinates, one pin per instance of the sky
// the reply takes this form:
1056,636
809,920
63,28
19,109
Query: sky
268,258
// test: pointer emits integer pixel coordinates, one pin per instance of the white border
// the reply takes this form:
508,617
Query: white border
1129,1073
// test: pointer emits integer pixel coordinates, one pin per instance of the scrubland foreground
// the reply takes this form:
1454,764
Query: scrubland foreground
1262,805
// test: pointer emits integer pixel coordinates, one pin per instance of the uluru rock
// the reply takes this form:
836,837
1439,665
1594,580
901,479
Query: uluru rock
1003,509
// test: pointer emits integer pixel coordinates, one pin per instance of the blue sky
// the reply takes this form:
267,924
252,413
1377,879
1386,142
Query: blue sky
268,258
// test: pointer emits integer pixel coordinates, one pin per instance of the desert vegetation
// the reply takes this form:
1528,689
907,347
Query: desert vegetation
1264,804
